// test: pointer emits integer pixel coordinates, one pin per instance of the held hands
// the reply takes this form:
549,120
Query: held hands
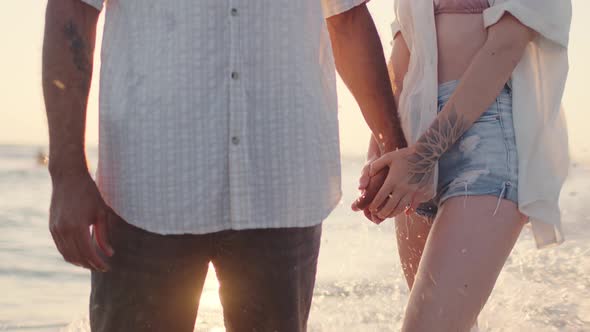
76,204
408,183
369,186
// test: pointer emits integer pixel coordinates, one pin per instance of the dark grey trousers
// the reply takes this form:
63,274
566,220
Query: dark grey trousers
266,279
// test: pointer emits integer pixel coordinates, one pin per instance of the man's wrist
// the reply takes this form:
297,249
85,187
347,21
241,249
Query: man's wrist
386,146
373,156
58,173
391,141
73,166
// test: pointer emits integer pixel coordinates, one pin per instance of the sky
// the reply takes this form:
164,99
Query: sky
23,121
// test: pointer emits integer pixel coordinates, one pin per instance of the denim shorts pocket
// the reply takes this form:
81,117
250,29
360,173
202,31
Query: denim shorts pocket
504,99
492,114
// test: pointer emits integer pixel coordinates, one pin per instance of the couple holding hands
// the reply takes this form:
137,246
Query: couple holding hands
219,143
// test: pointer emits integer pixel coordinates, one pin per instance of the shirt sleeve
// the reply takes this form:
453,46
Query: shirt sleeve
335,7
550,18
98,4
395,28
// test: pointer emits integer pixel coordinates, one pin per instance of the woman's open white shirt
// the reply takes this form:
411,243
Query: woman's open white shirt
538,83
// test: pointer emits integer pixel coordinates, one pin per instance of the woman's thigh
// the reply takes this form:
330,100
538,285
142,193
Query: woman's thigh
466,249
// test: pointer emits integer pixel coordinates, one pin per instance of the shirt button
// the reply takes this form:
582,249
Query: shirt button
234,12
235,75
235,140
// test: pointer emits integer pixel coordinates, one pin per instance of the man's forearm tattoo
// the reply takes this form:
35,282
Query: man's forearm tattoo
80,54
446,129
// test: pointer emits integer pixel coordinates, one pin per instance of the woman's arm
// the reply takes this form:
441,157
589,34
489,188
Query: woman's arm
411,170
398,66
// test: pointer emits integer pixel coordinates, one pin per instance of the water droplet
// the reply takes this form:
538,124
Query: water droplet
59,84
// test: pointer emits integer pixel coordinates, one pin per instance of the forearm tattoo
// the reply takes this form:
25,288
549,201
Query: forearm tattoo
80,55
446,129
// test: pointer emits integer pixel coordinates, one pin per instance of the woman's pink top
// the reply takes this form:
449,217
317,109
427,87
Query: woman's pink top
460,6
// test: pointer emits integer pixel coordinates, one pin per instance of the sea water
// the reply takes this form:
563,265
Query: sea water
360,286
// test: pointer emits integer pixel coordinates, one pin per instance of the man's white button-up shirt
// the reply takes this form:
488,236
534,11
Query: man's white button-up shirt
218,114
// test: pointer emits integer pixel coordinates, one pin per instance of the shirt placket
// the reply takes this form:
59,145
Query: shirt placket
238,161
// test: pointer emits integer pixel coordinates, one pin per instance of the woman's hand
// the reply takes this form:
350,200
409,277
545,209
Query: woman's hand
408,183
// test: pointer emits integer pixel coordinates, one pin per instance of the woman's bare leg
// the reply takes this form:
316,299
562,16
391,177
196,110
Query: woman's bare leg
411,232
464,254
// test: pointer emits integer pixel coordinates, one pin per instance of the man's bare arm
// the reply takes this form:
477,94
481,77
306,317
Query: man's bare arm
397,68
68,48
360,62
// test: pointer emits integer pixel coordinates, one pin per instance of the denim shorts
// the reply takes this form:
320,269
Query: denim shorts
484,161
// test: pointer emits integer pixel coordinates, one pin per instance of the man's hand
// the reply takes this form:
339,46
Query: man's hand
369,186
76,204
